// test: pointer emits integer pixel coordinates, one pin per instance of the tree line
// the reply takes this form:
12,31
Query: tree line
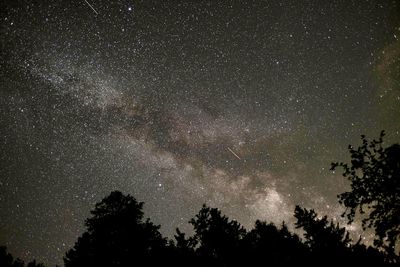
117,234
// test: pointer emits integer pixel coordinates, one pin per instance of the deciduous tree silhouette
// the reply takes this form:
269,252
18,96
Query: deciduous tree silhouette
374,174
34,264
320,234
7,260
327,241
218,237
184,250
277,247
330,244
117,235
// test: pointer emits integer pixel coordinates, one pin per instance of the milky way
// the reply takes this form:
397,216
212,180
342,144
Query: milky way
241,105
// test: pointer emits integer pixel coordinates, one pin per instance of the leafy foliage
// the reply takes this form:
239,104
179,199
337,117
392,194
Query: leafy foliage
117,235
321,234
280,246
330,244
374,174
217,237
7,260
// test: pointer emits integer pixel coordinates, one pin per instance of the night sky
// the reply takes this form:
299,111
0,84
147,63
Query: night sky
241,105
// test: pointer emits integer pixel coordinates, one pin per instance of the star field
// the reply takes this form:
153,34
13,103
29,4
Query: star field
241,105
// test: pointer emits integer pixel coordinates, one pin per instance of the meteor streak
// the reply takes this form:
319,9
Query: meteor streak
230,150
92,7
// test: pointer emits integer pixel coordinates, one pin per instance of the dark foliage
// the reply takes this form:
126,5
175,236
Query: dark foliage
7,260
218,241
320,234
330,245
34,264
117,235
277,247
374,174
218,238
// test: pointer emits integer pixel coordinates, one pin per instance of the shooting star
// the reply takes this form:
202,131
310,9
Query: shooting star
92,7
230,150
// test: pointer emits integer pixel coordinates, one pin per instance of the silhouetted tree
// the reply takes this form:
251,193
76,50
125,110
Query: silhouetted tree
320,234
7,260
117,235
361,255
374,174
277,247
34,264
330,244
183,243
183,250
218,237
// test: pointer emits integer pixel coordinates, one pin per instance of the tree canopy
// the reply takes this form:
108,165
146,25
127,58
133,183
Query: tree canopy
374,175
7,260
117,235
329,244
